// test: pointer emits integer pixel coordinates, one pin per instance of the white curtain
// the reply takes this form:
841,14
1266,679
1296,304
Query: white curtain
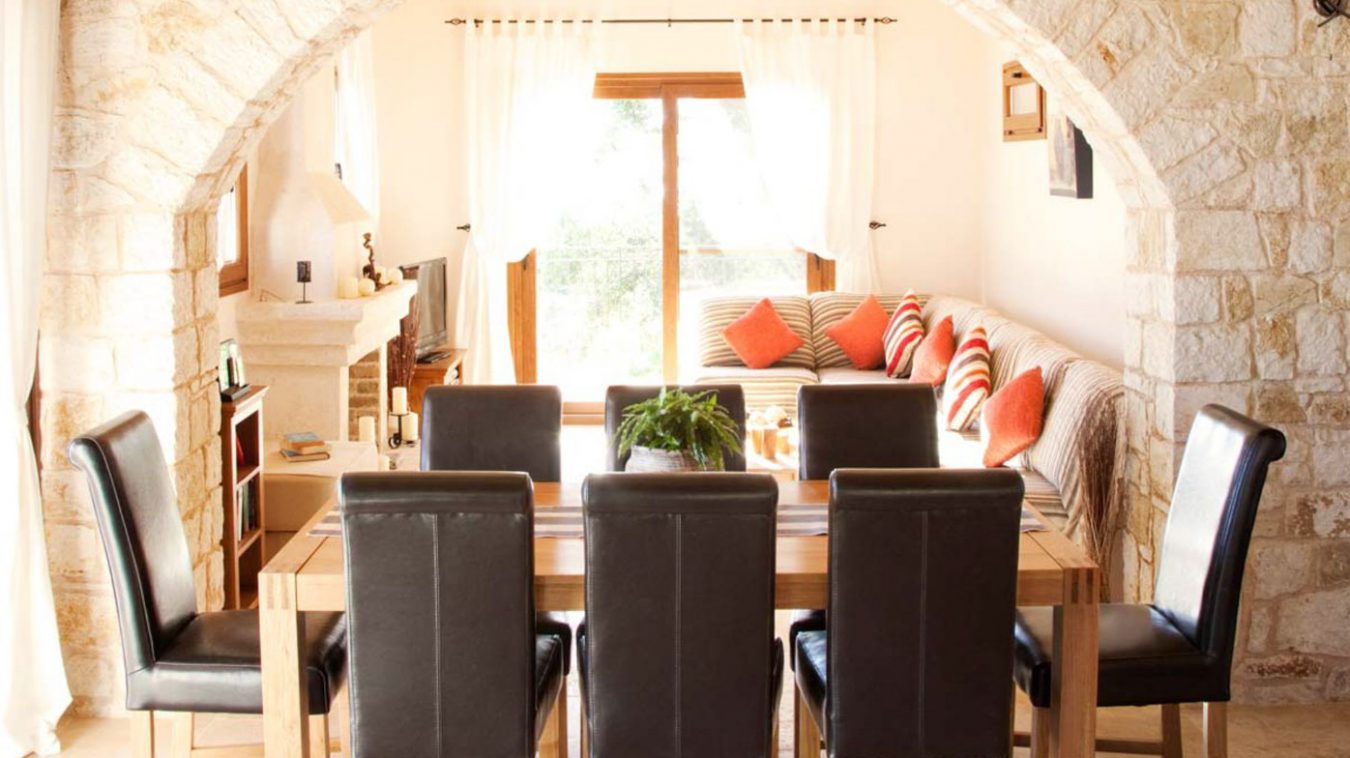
354,133
810,89
33,690
527,90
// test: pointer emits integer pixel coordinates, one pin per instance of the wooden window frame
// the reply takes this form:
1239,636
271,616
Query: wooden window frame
669,88
1024,126
234,276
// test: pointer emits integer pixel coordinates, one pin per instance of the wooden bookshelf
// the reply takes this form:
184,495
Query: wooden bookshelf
245,535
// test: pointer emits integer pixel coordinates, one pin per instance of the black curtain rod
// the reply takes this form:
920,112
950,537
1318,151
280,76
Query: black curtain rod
667,21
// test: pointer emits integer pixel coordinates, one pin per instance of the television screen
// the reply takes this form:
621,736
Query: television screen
432,335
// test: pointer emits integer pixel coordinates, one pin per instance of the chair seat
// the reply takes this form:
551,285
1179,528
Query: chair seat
810,655
1144,659
556,625
804,621
548,677
215,665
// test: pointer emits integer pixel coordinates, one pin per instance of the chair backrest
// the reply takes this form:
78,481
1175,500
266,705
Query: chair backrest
618,397
1218,489
440,612
493,428
865,426
679,613
143,539
923,587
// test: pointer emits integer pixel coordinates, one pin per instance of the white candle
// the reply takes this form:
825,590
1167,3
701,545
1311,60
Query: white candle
400,404
410,427
348,289
396,275
365,427
366,288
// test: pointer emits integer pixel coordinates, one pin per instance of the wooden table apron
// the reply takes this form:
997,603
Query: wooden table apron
307,575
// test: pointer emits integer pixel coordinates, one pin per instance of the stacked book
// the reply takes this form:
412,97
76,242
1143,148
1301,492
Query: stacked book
305,446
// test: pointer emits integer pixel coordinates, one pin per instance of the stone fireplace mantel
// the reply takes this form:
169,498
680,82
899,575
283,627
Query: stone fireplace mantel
303,352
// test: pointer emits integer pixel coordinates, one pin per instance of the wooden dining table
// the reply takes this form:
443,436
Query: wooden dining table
308,575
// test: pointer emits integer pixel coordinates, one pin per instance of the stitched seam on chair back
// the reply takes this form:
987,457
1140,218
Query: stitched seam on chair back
679,632
921,711
436,623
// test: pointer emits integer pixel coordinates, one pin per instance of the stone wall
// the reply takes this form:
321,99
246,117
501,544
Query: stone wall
363,399
1224,123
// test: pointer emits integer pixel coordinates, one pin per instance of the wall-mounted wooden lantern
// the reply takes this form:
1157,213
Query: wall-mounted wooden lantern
1023,105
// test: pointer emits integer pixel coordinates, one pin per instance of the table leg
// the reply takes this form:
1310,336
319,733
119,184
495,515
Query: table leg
1073,700
285,696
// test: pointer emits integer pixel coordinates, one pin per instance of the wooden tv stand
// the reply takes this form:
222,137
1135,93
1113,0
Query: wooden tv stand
446,370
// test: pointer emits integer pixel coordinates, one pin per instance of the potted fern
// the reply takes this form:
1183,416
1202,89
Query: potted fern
677,431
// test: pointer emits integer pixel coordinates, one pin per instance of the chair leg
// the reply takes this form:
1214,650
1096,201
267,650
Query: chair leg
1216,730
183,740
1040,733
808,737
553,742
318,736
341,713
585,728
143,734
1171,731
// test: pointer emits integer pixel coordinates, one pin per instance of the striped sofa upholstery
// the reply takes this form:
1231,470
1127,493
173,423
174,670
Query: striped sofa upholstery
1072,473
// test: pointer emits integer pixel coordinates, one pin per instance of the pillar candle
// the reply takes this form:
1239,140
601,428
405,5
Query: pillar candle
396,276
365,429
400,404
410,427
348,288
366,288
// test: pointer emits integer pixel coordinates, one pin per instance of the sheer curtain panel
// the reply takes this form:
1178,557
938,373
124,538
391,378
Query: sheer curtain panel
33,690
527,91
810,90
354,133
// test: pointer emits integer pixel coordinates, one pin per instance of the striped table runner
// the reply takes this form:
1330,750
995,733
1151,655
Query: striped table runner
793,521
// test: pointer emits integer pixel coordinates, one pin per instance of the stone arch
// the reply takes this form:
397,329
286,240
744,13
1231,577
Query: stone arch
160,100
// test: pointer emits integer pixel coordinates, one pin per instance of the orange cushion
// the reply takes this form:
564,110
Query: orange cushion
934,354
862,333
761,337
1011,418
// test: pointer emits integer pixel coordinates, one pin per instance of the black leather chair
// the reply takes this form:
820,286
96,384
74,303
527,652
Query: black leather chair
1179,649
488,427
619,397
508,427
923,588
177,658
865,426
862,426
440,603
677,654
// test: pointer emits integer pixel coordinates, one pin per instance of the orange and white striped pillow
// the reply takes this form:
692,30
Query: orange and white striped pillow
967,384
903,335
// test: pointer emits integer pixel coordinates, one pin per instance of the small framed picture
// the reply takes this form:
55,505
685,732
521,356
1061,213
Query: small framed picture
231,378
223,377
1070,159
237,366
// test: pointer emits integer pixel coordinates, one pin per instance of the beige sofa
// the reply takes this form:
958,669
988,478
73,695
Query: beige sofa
1072,472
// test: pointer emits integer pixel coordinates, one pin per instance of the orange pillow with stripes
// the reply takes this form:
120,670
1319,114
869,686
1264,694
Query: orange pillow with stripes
1010,421
967,384
904,332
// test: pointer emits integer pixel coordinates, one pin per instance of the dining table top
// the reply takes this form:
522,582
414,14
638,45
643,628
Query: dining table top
1052,569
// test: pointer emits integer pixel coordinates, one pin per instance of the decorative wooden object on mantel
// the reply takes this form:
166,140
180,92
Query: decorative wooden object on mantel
1023,105
446,370
244,536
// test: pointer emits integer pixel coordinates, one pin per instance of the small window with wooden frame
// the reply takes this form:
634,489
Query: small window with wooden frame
232,237
1023,104
669,90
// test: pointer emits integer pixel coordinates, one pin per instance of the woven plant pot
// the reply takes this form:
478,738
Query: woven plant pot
646,459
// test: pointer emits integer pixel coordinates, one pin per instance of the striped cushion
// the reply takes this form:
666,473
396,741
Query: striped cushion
718,313
763,387
903,334
964,313
828,309
967,380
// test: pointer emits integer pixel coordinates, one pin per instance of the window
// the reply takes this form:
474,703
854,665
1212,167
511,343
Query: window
232,237
671,210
